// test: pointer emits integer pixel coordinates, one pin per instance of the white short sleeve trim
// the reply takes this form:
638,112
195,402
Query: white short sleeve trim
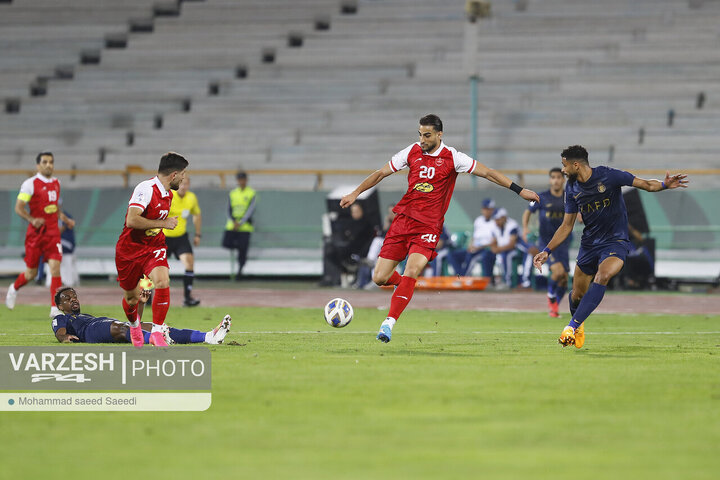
400,159
142,195
463,163
28,186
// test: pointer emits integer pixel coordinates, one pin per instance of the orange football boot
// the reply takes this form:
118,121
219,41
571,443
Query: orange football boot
567,337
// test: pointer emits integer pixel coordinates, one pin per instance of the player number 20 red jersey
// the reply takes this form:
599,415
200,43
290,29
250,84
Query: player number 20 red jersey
431,181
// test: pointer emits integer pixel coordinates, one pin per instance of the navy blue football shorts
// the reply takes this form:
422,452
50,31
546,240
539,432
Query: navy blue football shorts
589,257
560,255
98,332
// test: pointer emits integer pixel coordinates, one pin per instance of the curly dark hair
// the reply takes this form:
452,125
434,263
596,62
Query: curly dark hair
59,292
575,152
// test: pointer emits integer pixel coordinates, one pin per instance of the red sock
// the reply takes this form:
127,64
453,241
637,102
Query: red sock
55,283
160,305
394,279
130,311
20,281
401,297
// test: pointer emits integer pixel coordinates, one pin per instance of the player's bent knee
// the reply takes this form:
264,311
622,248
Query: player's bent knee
380,280
603,278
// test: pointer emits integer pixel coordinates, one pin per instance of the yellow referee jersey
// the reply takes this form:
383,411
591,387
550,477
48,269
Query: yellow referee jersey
182,207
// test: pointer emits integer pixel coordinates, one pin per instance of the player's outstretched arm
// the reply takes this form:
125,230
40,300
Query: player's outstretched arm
372,180
561,234
500,179
525,224
671,181
64,337
134,219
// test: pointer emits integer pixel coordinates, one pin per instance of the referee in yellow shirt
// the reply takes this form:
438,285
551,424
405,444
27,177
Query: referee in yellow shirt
184,204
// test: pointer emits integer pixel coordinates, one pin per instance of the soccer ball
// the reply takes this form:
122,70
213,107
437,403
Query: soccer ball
145,283
338,312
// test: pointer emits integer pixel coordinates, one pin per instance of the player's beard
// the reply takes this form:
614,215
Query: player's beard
572,177
428,147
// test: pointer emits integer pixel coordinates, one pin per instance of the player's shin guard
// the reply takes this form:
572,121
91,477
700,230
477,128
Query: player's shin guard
588,304
394,279
401,297
187,336
573,305
160,306
188,282
552,289
20,281
130,312
55,283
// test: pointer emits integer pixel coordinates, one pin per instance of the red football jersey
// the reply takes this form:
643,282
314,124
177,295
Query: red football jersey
431,181
154,200
42,194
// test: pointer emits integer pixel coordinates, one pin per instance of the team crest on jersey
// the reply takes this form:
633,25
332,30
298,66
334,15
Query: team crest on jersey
51,208
152,232
601,188
438,162
424,187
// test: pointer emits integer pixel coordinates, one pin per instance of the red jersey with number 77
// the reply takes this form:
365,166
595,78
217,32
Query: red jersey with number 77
151,197
431,181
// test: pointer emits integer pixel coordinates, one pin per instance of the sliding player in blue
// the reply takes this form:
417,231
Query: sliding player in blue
551,211
596,194
73,326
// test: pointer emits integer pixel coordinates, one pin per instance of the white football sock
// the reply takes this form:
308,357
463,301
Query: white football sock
390,322
208,336
156,328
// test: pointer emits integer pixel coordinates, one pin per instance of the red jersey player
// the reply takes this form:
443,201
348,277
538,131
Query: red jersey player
421,212
41,194
141,248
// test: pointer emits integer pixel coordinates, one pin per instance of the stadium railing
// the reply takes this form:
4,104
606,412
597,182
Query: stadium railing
222,174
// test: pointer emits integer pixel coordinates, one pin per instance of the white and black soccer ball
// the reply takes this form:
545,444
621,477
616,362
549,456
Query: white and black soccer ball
338,312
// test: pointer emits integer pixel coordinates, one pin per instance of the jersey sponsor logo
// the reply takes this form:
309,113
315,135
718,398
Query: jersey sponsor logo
595,206
429,237
424,187
612,253
576,196
152,232
417,159
601,188
51,208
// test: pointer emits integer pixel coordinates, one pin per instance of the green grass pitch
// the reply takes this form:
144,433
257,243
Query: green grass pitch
454,395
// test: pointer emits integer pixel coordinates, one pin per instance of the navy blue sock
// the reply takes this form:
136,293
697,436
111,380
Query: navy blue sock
559,293
552,288
573,305
186,335
146,336
588,304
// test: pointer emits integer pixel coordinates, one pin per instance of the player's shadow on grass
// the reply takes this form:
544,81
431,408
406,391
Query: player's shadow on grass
630,351
431,353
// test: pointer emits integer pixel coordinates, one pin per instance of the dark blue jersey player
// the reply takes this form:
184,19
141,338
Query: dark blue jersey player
73,326
551,211
595,193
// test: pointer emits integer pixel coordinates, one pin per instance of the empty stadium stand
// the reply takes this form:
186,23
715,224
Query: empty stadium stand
333,84
555,73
